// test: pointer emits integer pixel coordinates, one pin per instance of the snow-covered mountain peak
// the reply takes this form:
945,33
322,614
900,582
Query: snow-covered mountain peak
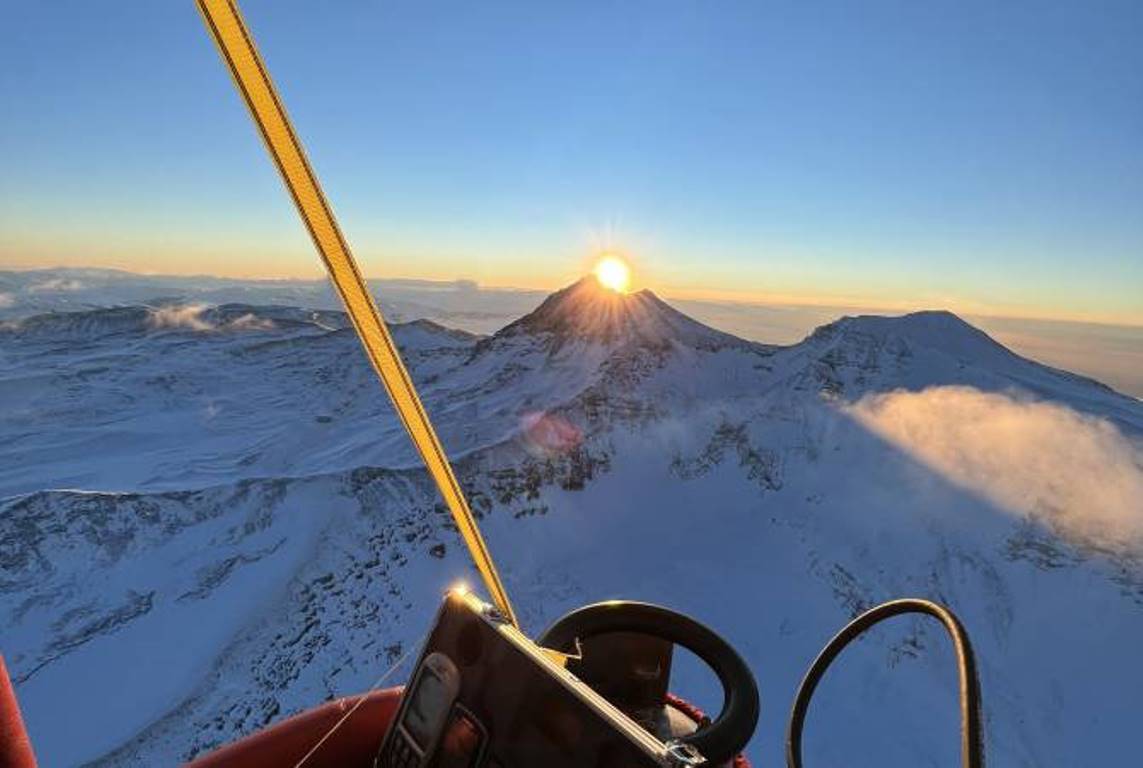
211,508
930,328
933,332
586,311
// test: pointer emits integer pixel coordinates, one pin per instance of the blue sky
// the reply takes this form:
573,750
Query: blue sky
986,157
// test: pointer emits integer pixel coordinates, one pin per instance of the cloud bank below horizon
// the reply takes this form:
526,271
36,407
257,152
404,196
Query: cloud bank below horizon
1078,474
190,317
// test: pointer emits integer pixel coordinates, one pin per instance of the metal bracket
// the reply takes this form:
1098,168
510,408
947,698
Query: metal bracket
682,754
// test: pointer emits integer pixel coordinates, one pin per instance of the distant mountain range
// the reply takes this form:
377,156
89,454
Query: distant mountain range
210,517
459,303
1112,354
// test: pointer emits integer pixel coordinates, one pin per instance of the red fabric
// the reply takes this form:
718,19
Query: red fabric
15,747
355,743
696,714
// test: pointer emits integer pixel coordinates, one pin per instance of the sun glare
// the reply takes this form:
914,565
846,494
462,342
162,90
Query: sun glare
613,273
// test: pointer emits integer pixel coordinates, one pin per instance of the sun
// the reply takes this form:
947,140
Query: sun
613,273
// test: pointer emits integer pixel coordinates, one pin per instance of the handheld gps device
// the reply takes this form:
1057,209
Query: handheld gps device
485,696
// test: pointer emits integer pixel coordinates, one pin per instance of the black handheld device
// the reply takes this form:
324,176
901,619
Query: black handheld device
485,696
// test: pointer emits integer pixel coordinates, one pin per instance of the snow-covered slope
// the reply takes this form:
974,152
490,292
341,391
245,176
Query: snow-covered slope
211,518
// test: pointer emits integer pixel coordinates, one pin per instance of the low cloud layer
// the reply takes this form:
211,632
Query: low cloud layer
56,285
1078,473
190,317
7,300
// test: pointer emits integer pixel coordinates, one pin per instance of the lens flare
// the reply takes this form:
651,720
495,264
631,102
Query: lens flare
613,273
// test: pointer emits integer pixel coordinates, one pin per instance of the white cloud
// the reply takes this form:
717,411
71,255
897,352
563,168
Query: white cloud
7,300
188,316
1078,473
55,285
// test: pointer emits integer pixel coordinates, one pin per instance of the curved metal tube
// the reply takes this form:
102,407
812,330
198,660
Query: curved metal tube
972,743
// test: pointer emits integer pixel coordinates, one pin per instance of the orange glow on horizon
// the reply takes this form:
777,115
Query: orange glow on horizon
258,262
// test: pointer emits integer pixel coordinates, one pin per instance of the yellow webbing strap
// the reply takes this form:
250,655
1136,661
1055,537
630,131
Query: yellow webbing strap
237,48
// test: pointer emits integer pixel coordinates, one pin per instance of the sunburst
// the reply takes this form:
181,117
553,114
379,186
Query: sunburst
613,273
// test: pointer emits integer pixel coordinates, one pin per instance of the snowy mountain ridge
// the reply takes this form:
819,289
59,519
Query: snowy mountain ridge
252,534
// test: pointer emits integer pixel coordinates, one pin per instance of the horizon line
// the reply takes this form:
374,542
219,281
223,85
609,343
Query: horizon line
758,299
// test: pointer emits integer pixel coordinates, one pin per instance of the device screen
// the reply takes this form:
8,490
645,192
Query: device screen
427,709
